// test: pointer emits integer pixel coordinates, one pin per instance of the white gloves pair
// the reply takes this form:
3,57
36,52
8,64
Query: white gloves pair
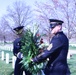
19,55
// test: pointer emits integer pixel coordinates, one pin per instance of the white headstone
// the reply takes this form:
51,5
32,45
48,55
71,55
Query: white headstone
68,57
7,58
2,55
13,61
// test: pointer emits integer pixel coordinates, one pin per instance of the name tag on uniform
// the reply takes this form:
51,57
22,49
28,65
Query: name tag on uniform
50,46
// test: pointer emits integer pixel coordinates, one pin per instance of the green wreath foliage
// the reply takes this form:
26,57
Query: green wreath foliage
30,48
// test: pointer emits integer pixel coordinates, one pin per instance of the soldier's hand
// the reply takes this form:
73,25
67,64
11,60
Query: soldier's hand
20,55
31,60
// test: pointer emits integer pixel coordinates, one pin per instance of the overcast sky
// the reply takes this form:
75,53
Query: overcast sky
5,3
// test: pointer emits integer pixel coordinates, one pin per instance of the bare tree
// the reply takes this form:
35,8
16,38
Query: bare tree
19,14
5,30
42,19
59,9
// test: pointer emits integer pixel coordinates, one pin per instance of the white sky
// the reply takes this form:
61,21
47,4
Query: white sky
5,3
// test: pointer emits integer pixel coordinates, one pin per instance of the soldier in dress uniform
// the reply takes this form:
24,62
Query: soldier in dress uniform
16,51
56,52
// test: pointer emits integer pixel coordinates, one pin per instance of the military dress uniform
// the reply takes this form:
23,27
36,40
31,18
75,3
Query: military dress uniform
18,70
16,51
56,54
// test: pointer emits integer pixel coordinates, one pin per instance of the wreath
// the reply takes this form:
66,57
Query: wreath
31,45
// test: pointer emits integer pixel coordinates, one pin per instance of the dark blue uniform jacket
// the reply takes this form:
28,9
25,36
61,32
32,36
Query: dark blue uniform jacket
17,46
57,54
18,66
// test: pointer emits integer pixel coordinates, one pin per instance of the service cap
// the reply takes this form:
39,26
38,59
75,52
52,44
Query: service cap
18,28
55,22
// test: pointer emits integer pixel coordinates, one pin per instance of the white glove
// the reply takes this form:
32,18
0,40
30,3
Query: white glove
19,55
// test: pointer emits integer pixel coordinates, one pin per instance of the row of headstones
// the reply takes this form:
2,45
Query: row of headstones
73,45
7,58
7,48
14,58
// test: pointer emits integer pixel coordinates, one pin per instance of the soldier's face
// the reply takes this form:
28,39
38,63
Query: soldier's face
56,29
19,32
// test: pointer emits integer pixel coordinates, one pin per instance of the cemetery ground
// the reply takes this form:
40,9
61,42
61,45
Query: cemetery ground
7,69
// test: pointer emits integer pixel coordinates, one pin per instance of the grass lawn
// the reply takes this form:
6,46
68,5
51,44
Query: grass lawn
72,64
5,69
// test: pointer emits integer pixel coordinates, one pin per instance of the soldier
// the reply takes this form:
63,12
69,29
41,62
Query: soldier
56,52
16,51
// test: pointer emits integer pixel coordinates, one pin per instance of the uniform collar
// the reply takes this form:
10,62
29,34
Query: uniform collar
60,32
